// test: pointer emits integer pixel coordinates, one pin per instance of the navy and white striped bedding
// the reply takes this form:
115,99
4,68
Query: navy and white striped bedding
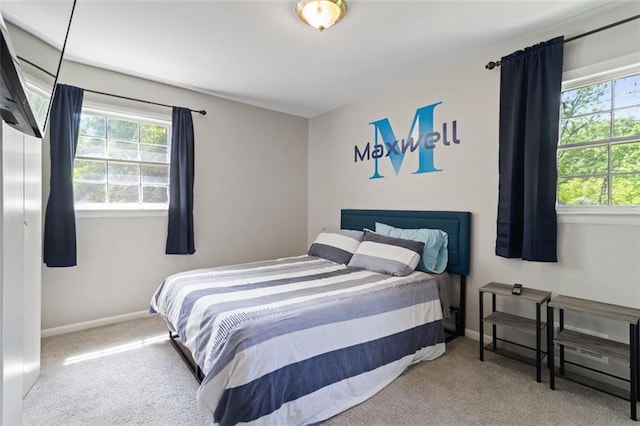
298,340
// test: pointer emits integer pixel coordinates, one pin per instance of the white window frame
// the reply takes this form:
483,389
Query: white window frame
619,215
39,87
124,210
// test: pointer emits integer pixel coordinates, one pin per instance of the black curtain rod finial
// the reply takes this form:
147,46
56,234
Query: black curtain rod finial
202,112
491,65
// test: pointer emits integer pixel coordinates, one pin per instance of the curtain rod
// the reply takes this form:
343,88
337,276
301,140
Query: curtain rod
50,74
55,76
55,81
203,112
491,65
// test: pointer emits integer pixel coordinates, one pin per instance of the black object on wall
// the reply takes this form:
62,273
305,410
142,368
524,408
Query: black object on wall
15,109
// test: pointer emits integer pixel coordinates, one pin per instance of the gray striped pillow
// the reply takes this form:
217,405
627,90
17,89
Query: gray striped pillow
336,245
387,255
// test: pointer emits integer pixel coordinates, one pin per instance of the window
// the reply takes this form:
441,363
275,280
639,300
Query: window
39,100
122,162
599,144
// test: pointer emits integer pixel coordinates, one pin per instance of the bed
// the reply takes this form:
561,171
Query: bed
301,339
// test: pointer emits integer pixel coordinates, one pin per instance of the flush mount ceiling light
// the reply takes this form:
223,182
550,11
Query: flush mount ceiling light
321,14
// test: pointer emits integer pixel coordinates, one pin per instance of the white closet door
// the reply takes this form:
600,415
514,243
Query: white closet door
32,259
12,275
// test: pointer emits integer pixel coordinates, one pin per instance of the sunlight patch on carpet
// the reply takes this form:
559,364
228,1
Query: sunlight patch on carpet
116,349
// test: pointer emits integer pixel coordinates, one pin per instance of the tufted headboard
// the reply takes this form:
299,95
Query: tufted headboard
456,224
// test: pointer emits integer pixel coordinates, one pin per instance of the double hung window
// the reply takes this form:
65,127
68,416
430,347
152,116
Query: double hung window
122,162
599,144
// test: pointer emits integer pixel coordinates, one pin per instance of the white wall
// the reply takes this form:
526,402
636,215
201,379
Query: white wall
250,198
596,261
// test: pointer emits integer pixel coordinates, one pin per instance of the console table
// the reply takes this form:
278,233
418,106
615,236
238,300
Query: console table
626,352
525,325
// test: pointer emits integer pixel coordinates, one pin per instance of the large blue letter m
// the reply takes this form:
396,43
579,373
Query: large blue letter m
396,149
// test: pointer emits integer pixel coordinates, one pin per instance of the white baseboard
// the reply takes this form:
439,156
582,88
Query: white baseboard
54,331
471,334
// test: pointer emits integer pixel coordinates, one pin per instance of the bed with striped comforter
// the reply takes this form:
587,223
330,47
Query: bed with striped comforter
298,340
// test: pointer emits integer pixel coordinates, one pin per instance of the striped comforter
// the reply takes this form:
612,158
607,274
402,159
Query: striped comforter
298,340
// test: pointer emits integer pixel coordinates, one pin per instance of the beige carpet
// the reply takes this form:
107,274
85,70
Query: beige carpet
128,374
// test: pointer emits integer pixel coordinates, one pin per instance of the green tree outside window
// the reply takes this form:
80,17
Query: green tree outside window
121,161
599,144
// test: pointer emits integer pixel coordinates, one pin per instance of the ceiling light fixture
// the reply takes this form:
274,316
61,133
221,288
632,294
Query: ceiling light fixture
321,14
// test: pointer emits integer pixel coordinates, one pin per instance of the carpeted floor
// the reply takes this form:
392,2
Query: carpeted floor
128,374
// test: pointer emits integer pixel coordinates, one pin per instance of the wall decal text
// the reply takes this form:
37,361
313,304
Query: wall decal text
386,145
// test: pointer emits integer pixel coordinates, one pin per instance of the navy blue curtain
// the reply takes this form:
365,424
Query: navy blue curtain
180,230
530,92
60,217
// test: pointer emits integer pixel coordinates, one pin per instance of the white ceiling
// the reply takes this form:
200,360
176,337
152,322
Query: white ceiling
258,52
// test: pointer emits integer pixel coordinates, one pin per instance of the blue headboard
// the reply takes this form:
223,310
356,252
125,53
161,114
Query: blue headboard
456,224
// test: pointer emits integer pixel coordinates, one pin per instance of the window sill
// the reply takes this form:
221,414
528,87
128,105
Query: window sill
95,213
630,216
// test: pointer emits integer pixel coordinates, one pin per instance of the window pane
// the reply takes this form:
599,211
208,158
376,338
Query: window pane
121,178
625,190
123,150
587,128
39,103
627,91
90,147
155,153
36,100
597,115
92,125
91,171
90,192
583,100
153,134
626,122
123,129
583,161
154,174
625,157
155,194
582,191
124,173
124,194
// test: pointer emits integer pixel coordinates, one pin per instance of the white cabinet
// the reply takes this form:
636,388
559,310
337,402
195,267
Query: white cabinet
20,265
32,259
11,255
